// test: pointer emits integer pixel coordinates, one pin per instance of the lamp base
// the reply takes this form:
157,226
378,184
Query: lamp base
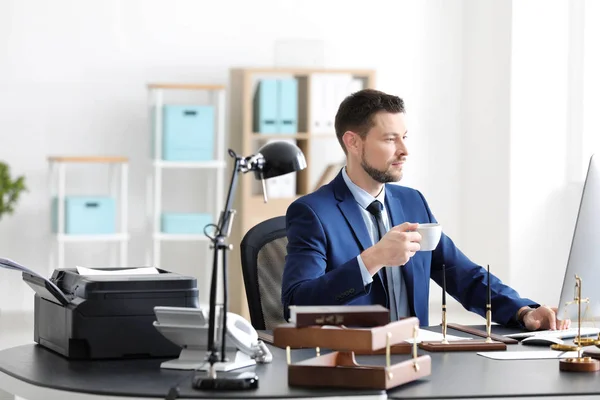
226,381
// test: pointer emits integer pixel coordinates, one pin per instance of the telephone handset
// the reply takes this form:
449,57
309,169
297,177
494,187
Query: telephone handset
240,332
244,337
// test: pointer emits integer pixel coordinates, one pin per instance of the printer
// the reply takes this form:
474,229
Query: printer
106,316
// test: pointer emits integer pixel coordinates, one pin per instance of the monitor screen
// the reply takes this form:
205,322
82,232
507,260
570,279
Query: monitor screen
584,256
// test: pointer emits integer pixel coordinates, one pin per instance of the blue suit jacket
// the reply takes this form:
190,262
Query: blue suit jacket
326,233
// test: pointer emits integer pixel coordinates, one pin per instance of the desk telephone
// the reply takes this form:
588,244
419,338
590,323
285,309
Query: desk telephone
188,328
245,338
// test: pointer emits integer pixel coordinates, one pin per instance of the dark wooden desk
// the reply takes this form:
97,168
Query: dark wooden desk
48,376
44,375
467,375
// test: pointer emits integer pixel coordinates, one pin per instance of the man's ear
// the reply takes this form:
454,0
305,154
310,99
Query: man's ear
351,140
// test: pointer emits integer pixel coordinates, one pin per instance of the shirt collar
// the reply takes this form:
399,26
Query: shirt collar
362,197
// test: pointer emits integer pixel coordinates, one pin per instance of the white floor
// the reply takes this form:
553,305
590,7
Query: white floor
16,328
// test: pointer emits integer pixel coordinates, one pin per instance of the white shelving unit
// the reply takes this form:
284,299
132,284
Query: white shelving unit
118,176
216,98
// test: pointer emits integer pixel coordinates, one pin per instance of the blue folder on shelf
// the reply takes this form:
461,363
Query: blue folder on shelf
265,106
288,106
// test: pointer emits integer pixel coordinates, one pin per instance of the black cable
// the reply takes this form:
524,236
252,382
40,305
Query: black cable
173,392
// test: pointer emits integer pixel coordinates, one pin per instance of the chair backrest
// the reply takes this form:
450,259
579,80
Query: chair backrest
263,252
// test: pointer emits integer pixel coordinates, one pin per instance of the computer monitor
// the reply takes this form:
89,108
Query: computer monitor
584,256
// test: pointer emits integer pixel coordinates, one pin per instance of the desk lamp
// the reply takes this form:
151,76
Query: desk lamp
271,160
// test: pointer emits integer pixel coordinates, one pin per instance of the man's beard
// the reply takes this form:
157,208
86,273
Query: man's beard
377,175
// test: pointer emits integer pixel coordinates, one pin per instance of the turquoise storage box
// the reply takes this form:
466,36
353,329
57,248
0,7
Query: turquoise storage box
86,215
185,223
188,133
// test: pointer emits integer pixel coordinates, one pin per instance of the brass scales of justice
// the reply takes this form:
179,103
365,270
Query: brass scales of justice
581,363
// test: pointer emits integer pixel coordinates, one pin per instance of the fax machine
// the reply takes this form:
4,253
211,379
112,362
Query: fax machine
107,316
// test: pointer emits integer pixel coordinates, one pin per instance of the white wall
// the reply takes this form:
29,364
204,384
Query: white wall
591,77
525,138
498,137
484,141
73,76
543,203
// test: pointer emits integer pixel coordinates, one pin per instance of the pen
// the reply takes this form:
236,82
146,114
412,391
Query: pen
443,284
489,290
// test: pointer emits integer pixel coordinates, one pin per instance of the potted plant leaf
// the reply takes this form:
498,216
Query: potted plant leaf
10,190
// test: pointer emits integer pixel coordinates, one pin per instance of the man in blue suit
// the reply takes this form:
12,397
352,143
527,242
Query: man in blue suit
354,240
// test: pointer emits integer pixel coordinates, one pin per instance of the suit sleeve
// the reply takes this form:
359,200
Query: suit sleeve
467,282
308,279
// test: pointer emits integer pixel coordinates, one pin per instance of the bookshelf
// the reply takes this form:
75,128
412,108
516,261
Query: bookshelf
117,190
314,135
208,169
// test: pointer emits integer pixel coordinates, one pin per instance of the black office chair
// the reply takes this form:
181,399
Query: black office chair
263,252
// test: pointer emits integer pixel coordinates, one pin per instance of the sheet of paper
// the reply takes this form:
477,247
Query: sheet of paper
131,271
527,355
50,292
428,336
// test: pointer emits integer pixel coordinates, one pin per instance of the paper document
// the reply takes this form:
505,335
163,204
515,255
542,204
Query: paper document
10,264
428,336
49,291
131,271
527,355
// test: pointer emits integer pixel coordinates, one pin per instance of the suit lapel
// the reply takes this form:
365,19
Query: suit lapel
351,211
394,208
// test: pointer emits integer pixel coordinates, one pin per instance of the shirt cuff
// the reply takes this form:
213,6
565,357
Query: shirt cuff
366,276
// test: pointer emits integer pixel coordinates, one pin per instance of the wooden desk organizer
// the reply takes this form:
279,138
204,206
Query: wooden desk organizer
297,338
340,369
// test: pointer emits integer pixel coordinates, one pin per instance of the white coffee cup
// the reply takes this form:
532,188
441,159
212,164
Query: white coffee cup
430,236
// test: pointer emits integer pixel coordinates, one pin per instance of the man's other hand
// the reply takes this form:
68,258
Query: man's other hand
544,318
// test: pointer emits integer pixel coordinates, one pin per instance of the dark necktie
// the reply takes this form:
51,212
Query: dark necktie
392,274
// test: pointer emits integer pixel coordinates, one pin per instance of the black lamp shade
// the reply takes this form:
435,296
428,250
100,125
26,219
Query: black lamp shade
280,158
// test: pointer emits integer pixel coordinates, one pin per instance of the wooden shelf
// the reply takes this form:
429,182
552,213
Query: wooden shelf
89,159
307,71
171,237
116,237
185,86
265,136
185,164
243,137
323,135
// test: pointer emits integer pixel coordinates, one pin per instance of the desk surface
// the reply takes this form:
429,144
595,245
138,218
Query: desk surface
454,375
467,375
38,366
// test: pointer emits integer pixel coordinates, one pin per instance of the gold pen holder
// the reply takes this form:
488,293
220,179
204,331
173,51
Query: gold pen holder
488,324
444,326
486,344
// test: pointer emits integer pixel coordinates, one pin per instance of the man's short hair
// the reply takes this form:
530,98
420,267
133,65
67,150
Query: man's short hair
357,110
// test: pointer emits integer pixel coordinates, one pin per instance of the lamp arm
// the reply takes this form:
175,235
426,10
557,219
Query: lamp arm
243,165
225,220
219,246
